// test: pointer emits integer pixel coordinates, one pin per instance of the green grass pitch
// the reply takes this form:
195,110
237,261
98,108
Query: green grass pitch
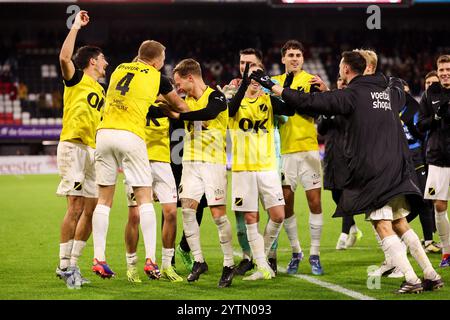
31,215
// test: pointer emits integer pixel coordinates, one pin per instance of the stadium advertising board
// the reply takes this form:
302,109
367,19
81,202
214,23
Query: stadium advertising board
49,132
28,165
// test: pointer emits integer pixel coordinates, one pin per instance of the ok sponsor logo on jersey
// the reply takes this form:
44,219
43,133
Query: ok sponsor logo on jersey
246,125
95,101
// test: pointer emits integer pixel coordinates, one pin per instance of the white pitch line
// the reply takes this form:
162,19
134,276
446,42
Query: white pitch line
324,284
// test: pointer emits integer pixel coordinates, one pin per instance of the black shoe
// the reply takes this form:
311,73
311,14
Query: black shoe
244,266
407,287
273,264
227,277
431,285
197,270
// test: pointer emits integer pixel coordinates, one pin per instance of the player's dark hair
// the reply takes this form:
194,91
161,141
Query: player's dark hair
355,60
430,74
186,67
258,53
292,44
84,54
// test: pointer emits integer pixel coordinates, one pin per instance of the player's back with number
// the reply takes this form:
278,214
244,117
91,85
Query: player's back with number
133,88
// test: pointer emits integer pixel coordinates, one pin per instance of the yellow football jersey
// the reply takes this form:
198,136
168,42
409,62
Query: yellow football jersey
205,140
158,139
252,135
133,88
83,104
299,133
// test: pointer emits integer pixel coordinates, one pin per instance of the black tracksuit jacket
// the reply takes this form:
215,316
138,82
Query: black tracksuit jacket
374,144
438,142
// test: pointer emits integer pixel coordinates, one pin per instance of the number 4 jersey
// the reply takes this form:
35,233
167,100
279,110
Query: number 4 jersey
133,88
83,101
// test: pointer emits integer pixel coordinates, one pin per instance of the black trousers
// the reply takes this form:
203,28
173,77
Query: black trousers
347,221
423,208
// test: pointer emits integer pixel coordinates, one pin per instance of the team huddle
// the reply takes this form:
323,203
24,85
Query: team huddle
274,148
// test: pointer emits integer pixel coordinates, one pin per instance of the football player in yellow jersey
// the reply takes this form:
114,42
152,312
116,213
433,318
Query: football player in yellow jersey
255,170
83,100
300,160
158,150
133,88
246,56
204,165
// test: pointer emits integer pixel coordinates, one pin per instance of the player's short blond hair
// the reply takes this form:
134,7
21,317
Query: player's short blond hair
370,56
445,58
188,67
150,49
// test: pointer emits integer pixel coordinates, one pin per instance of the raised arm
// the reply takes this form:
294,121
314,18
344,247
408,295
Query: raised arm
281,108
235,102
327,103
398,96
65,55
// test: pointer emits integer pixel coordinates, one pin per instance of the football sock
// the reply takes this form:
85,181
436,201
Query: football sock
100,222
225,236
271,234
242,235
192,233
290,225
65,250
353,229
167,255
443,228
148,227
256,242
77,249
393,248
415,247
132,259
315,228
343,237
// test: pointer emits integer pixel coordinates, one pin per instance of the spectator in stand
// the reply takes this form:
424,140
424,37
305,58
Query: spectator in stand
22,92
57,104
42,106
